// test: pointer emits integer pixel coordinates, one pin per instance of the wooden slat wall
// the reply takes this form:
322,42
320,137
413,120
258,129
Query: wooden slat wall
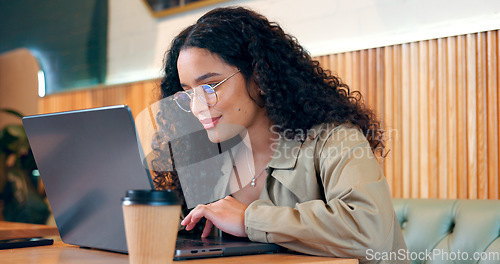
136,95
437,100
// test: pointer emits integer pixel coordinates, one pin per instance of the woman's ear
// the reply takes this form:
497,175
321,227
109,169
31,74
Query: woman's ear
255,92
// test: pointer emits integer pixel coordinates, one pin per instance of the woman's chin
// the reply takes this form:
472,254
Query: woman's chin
223,132
213,135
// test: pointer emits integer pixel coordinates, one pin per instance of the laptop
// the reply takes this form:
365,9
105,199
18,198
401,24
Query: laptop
87,159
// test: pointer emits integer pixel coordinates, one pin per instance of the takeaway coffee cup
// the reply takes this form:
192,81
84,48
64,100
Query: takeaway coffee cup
151,222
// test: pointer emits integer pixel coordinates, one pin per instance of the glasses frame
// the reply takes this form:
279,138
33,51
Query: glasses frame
207,88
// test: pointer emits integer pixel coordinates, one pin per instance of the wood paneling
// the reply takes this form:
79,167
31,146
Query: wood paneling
437,101
440,97
136,95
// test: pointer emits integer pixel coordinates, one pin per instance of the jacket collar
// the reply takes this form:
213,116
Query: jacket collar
287,151
286,154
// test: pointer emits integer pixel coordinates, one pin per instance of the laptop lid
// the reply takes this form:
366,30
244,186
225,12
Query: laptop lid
87,159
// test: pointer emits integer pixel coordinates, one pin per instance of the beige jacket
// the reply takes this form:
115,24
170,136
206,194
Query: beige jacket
328,197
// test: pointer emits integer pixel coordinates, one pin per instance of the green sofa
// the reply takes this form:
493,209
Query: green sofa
450,231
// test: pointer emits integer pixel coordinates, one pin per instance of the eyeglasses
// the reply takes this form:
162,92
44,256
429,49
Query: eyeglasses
205,92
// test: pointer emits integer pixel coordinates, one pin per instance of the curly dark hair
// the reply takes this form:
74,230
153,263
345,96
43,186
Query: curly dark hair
298,92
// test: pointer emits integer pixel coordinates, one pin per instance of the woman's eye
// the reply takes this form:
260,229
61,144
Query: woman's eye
208,88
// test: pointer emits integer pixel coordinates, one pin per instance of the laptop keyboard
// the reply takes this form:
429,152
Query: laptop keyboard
182,243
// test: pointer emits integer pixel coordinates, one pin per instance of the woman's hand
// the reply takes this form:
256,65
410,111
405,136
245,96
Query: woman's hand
227,214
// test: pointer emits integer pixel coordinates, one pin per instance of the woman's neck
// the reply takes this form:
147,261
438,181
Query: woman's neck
258,143
261,140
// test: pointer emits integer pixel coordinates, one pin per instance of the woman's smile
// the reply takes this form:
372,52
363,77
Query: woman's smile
209,123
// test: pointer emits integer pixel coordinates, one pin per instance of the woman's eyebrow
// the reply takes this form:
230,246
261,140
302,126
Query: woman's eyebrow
206,76
202,77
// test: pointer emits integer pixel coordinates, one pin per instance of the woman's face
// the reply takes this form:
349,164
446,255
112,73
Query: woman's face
235,112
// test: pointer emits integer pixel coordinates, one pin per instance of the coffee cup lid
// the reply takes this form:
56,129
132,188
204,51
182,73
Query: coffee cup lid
151,197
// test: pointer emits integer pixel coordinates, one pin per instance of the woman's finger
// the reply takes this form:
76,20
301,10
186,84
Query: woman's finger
186,219
198,213
190,222
207,229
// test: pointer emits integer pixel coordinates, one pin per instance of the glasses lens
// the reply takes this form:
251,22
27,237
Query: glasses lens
207,95
208,89
183,101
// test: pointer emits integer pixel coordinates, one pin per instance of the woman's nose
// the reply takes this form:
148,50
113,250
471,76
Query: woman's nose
197,106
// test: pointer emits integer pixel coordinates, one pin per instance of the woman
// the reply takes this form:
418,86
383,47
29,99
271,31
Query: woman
315,185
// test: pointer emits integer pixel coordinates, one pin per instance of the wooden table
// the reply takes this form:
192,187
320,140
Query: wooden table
61,253
11,230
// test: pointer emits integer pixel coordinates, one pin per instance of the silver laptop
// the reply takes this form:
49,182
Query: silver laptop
87,159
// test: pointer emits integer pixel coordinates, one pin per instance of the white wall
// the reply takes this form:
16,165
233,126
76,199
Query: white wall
137,41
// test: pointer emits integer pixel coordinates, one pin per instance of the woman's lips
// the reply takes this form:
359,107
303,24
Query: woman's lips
210,122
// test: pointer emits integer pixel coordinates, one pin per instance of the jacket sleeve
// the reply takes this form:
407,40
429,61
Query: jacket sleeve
357,213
